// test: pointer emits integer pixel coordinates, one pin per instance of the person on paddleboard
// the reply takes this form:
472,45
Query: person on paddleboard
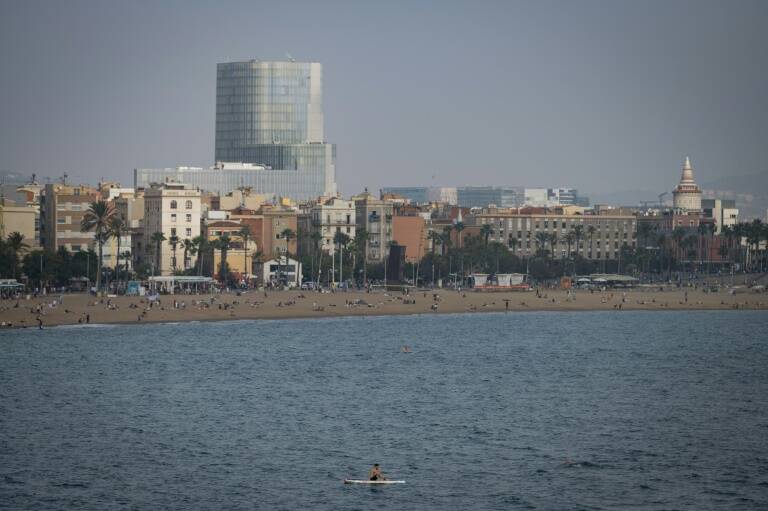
375,474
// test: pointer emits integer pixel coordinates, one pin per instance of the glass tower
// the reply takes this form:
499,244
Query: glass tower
271,114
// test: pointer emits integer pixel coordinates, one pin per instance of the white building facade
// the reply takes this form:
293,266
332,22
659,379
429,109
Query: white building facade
173,209
332,216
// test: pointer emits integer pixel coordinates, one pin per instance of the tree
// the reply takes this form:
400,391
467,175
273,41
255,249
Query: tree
118,229
678,235
97,219
288,235
446,242
157,239
485,231
578,235
459,227
16,246
591,230
245,235
224,243
190,249
541,242
362,236
173,241
202,245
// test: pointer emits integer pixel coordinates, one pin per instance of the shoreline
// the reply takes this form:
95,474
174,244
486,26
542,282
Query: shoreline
77,309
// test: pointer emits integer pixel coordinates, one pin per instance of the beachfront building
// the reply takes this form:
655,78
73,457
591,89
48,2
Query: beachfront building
270,114
601,239
241,249
21,218
332,216
375,216
174,210
62,208
410,231
279,272
687,194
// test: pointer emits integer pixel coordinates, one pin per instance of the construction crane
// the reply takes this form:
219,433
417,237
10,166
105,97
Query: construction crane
661,199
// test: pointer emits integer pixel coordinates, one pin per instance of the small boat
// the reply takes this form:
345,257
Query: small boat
366,481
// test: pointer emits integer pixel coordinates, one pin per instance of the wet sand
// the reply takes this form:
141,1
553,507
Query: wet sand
81,308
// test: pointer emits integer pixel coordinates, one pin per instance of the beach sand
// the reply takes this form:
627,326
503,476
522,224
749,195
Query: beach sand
81,308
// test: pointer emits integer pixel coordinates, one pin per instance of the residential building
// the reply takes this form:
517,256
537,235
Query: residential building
62,208
174,210
687,194
240,255
602,235
332,216
375,216
722,211
21,218
271,114
411,231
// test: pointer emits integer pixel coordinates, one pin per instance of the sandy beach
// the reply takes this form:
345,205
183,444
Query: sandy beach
81,308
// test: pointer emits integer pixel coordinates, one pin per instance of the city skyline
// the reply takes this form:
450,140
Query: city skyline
602,98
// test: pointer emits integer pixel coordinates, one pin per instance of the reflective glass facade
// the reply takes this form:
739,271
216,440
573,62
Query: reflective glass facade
483,196
270,113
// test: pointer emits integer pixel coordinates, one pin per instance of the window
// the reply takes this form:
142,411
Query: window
189,217
75,248
173,231
189,232
173,217
188,205
60,221
174,204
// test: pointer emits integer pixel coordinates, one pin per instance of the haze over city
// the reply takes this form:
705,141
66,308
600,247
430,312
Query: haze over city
596,95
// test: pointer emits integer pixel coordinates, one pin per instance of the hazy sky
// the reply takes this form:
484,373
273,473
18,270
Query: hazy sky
605,95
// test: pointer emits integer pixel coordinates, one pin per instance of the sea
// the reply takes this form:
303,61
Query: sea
529,410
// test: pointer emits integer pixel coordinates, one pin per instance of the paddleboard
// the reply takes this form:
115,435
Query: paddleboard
366,481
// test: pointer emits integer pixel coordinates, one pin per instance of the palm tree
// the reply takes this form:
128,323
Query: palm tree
459,227
644,231
201,246
158,238
591,230
288,234
16,244
245,235
578,235
118,229
362,236
553,241
445,242
224,243
126,255
97,219
485,231
541,241
173,241
569,239
678,235
190,248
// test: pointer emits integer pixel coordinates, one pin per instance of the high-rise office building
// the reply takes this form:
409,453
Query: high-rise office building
271,114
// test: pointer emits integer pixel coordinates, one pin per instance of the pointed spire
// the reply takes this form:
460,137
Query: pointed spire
687,177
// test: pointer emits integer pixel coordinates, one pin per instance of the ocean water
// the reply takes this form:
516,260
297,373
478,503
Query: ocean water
551,410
